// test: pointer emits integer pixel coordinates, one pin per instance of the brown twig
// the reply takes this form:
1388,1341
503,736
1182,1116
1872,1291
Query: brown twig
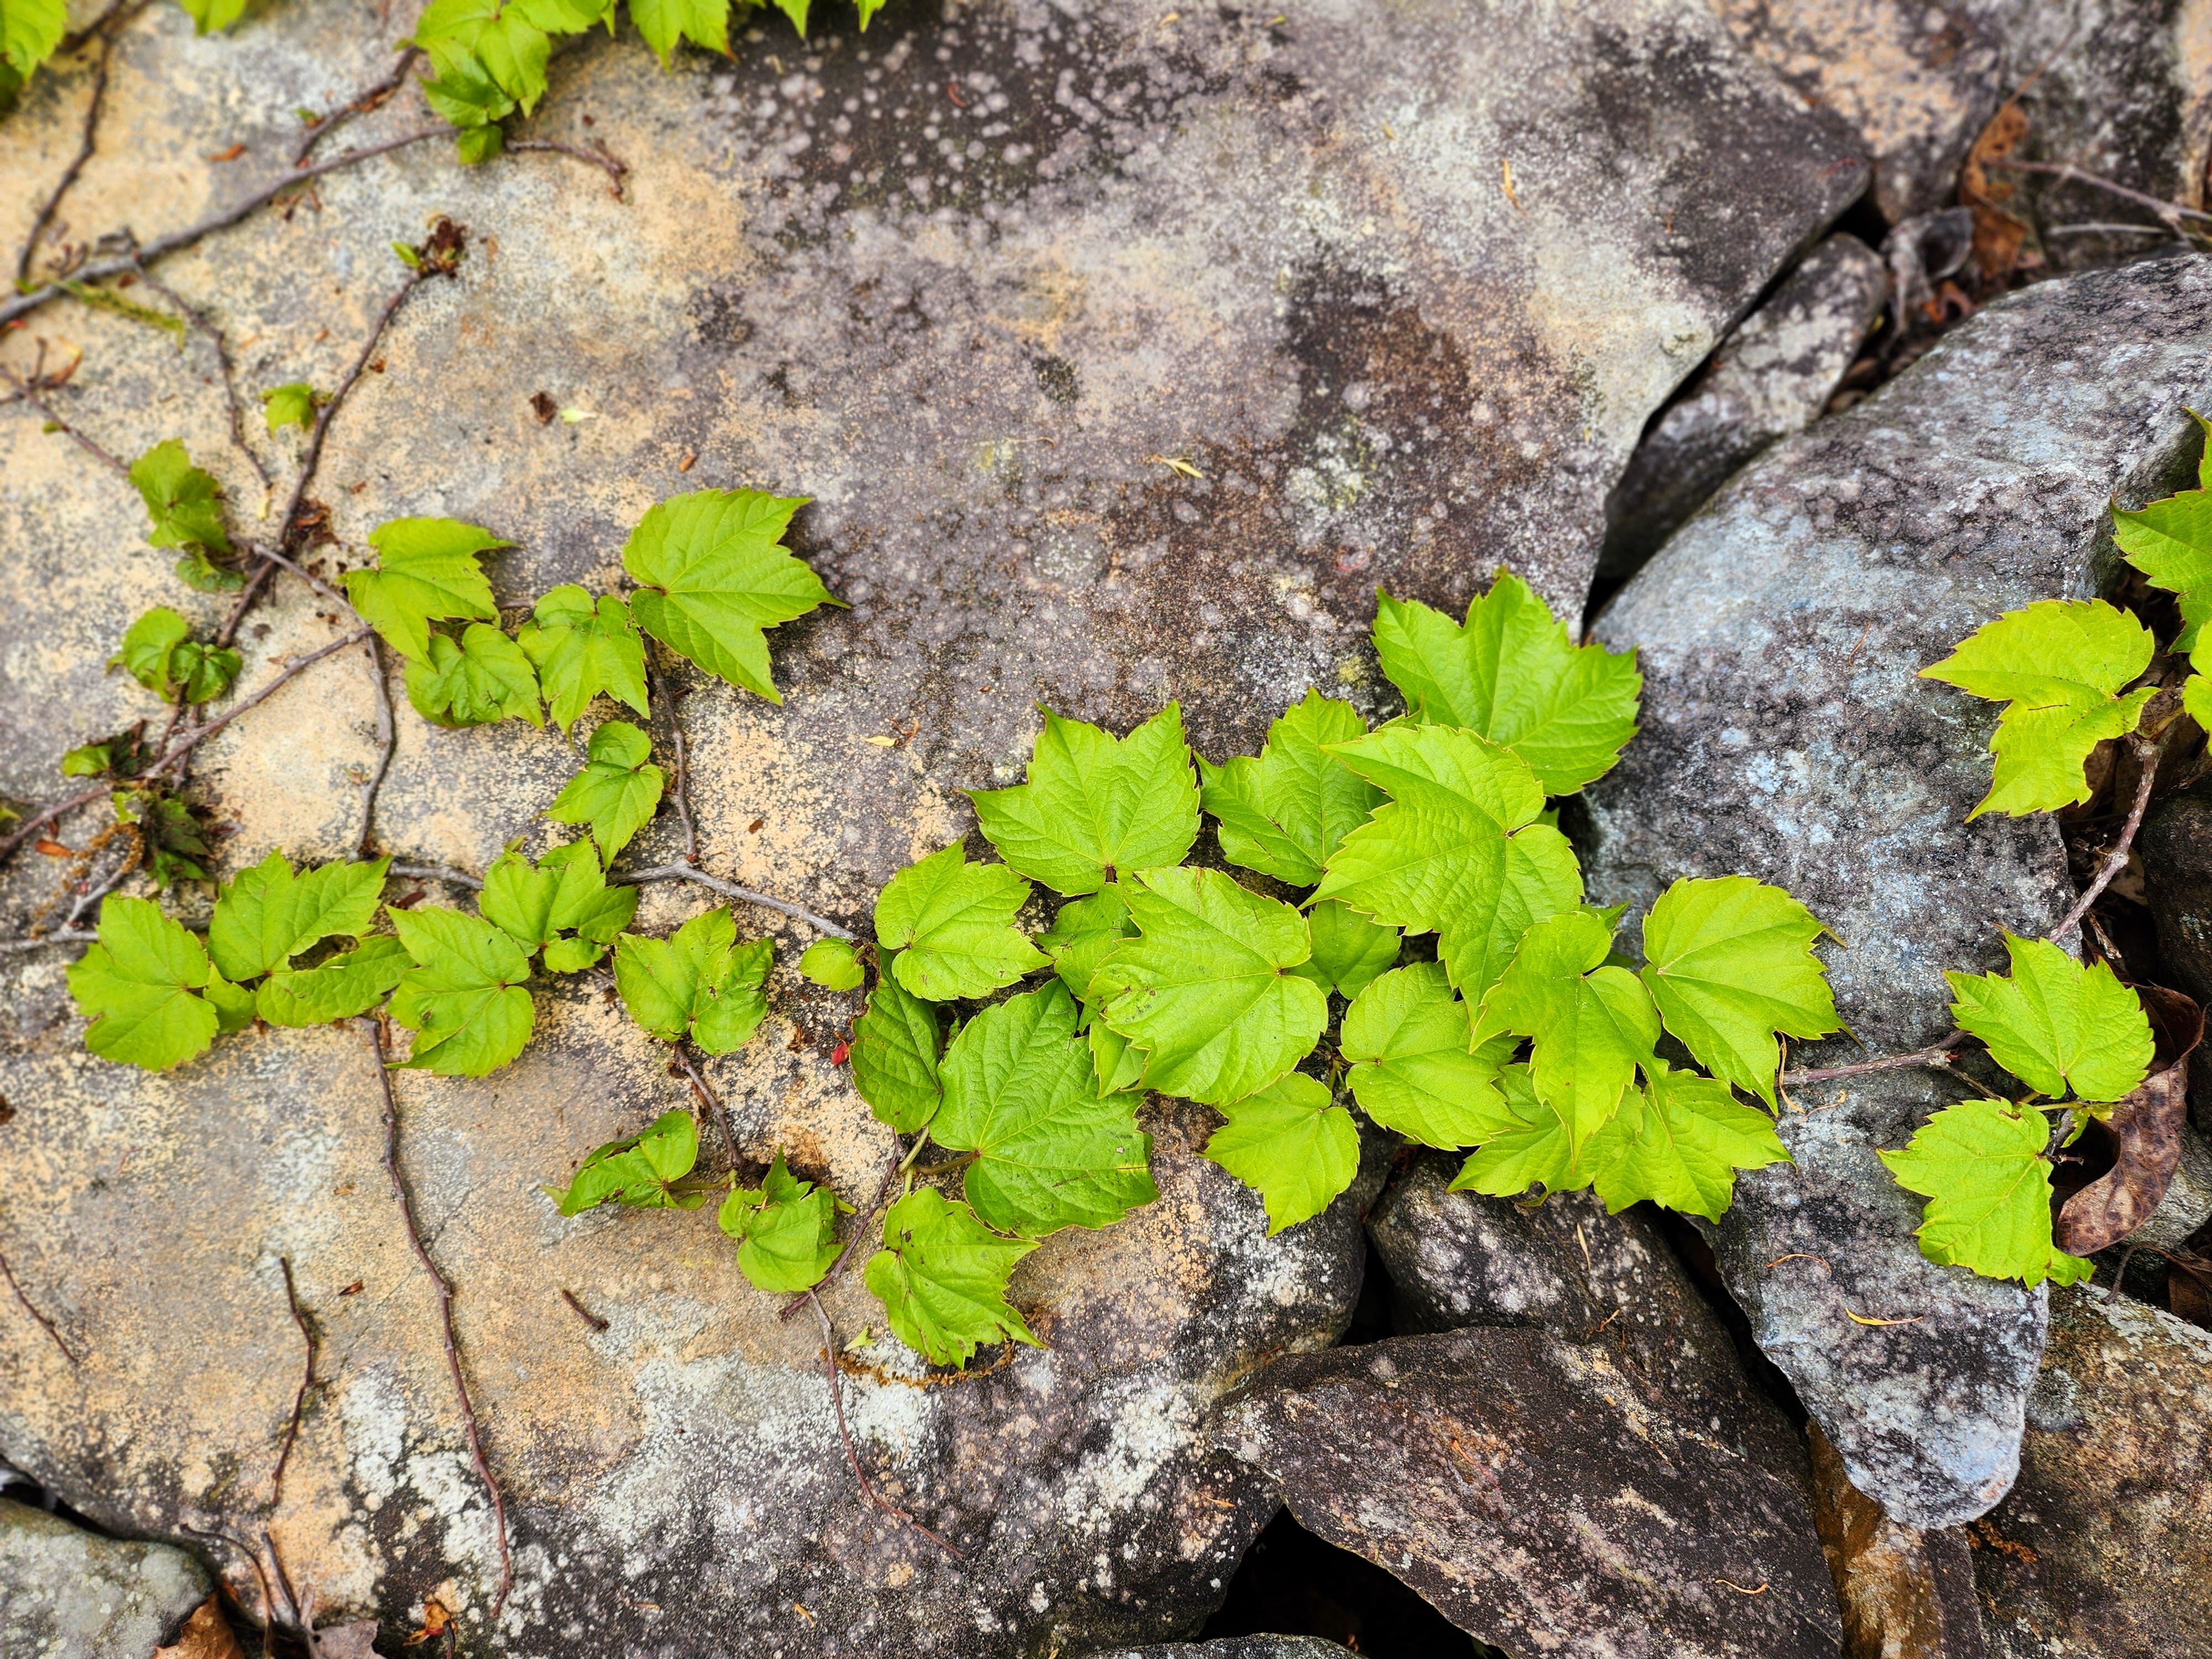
853,1239
299,1398
104,34
59,936
30,1307
680,786
2066,170
21,305
204,324
445,1310
1938,1055
583,1312
387,735
595,155
370,100
303,1608
729,889
2147,753
260,1575
712,1103
852,1457
26,394
445,873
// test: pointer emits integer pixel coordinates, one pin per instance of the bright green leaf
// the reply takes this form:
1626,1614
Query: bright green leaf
1729,964
785,1229
1096,805
1207,993
664,22
1284,813
210,15
1981,1165
2170,540
698,981
136,986
234,1004
637,1170
712,575
1116,1064
1526,1146
158,652
2057,666
184,504
293,405
29,32
952,924
339,987
565,890
2055,1024
1290,1145
1048,1152
617,791
582,651
266,916
482,678
498,35
1413,1068
942,1277
1349,950
474,146
465,998
1083,933
197,570
832,964
427,570
1678,1141
1512,675
894,1055
1457,851
464,93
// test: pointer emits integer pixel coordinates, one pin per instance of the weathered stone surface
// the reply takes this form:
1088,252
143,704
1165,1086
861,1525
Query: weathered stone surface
2176,846
68,1593
2105,1546
1564,1265
1786,736
2187,1204
1237,1647
1541,1496
970,282
1905,1594
1772,377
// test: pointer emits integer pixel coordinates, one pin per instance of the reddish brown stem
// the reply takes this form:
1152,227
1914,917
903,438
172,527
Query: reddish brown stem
105,33
299,1398
845,1434
712,1103
27,395
1940,1054
2147,752
387,735
31,1308
372,98
596,154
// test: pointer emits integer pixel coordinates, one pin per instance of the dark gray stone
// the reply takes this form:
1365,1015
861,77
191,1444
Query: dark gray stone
1772,377
1541,1496
68,1593
1787,736
1237,1647
1564,1265
2176,849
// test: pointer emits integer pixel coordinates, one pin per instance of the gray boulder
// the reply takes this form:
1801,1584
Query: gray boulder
2176,849
1786,736
1236,1647
68,1593
1542,1496
1772,377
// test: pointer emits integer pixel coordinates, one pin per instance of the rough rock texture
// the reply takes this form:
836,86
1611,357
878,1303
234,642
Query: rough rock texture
1237,1647
1541,1496
1564,1265
2187,1204
1905,1594
971,283
2105,1546
1786,736
1771,377
68,1593
2177,859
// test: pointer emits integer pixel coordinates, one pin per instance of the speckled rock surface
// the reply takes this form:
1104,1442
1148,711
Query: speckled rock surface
1564,1265
2105,1544
1236,1647
1786,736
1771,377
2177,859
1905,1594
68,1593
1542,1496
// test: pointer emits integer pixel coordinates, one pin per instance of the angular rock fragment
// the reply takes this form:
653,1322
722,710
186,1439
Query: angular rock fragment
1905,1594
1787,736
1541,1496
1771,377
68,1593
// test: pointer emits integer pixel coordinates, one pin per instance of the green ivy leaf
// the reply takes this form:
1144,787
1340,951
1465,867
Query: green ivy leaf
1592,1025
664,22
1511,675
1729,964
617,791
1095,805
637,1171
1980,1165
234,1004
1116,1064
1458,850
2170,540
266,916
291,404
209,16
1204,990
482,678
833,965
197,570
1284,813
464,93
894,1055
796,11
1679,1141
786,1229
349,983
465,998
698,981
564,892
1527,1145
1349,950
1084,932
498,34
184,504
2055,1024
159,653
427,570
29,32
1290,1145
2057,666
952,924
581,650
712,576
137,986
942,1277
1414,1069
1048,1152
868,8
474,146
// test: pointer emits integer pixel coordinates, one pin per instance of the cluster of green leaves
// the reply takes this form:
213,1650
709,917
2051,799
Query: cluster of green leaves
31,30
184,510
1524,1042
491,56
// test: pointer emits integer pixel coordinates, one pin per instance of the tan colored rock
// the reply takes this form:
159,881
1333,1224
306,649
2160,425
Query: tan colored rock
1905,1594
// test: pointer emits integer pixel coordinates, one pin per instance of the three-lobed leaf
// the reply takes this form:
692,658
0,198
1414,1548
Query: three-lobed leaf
139,987
617,791
466,997
1290,1144
339,987
427,570
1284,812
1678,1141
582,649
562,905
942,1279
952,925
833,965
1413,1066
184,505
267,915
1095,805
699,981
2056,1024
638,1169
894,1055
1981,1166
483,677
159,651
786,1229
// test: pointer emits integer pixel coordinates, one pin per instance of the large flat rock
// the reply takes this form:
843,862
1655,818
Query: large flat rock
1787,736
68,1593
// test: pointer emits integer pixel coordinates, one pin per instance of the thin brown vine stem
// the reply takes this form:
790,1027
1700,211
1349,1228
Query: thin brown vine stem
299,1398
26,394
45,941
260,1575
105,34
405,1201
1936,1056
31,1308
21,305
303,1608
728,889
595,155
2066,171
387,737
2147,753
445,873
845,1434
712,1103
362,103
680,792
204,324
